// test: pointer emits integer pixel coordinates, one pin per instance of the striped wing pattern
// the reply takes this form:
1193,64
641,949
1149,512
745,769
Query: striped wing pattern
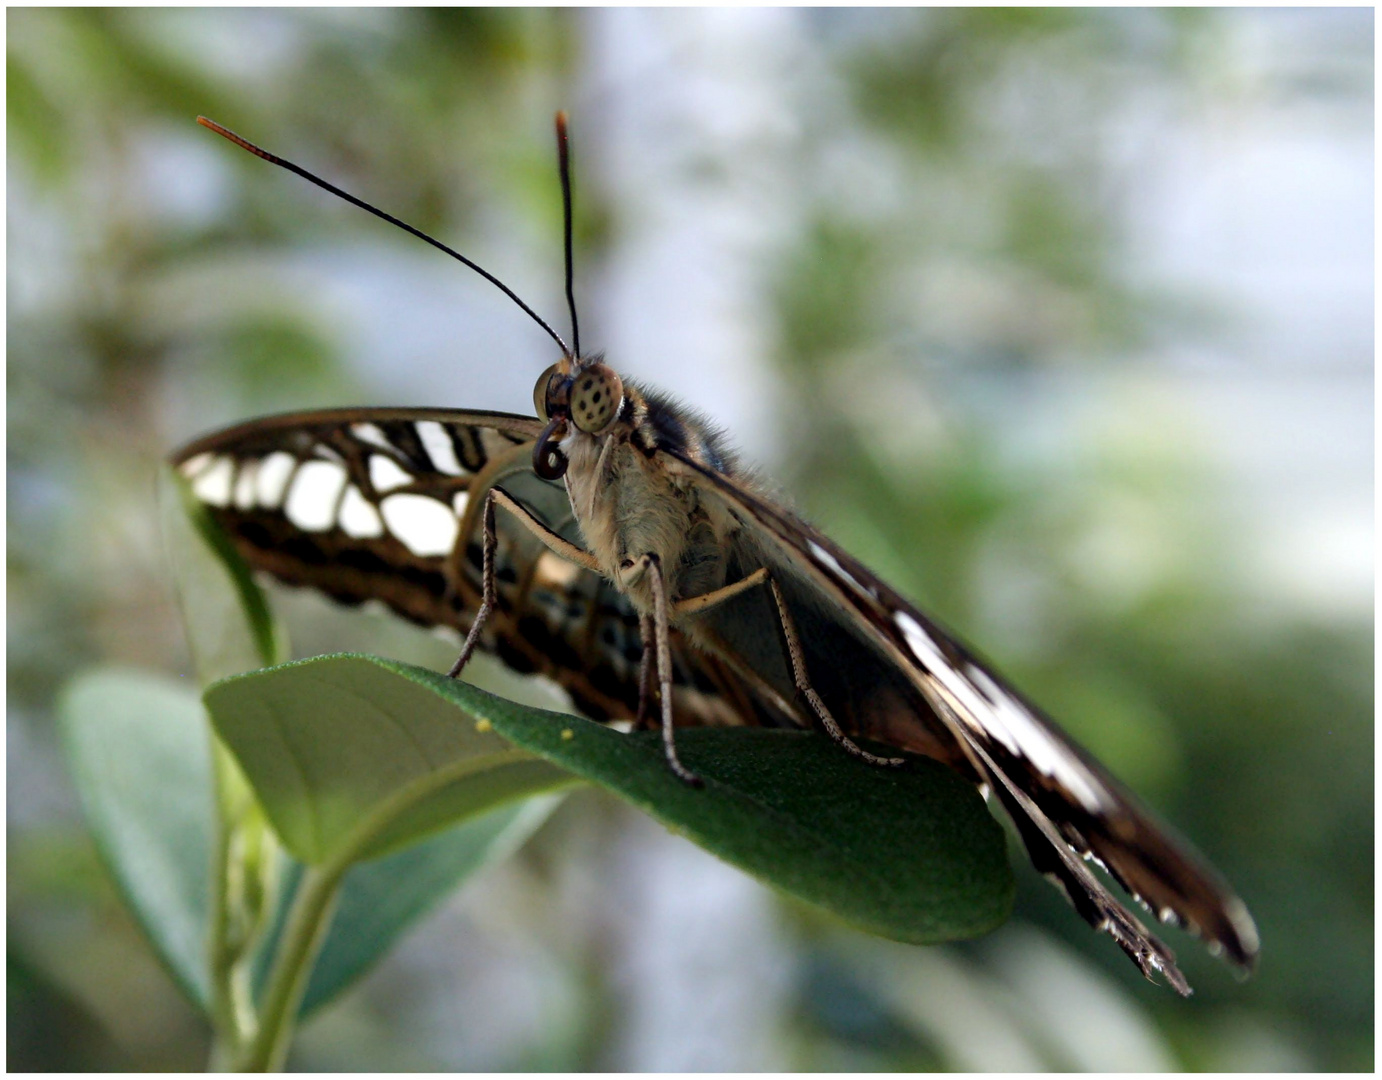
384,505
1067,808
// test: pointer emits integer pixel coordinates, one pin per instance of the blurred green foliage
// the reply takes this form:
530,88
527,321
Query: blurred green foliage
156,288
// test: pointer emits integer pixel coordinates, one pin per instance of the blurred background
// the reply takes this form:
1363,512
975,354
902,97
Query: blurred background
1061,320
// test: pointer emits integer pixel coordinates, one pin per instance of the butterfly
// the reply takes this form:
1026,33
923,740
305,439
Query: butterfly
615,544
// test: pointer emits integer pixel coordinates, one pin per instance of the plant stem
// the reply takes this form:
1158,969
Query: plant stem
228,1035
297,951
232,1010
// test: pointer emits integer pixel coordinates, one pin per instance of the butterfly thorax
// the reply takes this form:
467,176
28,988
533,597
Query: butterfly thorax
629,503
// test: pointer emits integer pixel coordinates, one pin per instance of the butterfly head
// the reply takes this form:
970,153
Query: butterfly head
585,394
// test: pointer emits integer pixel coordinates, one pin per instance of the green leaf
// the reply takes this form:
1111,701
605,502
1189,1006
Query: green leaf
351,763
381,899
911,853
140,756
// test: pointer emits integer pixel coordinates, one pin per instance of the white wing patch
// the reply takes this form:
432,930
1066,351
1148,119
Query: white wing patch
371,433
244,484
988,710
424,525
213,481
459,502
311,503
386,474
271,478
1049,756
826,559
358,517
193,465
437,443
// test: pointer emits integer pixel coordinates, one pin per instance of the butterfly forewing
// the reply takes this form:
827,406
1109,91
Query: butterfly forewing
359,506
1067,808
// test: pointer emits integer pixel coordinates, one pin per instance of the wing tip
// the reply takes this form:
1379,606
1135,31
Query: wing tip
1240,945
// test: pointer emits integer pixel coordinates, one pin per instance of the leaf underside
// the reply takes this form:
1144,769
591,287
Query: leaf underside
140,757
139,749
382,898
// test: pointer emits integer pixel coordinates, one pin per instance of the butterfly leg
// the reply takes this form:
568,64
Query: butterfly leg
554,542
803,685
695,604
688,606
648,635
662,634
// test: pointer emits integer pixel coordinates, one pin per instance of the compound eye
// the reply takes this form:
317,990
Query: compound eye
540,390
596,395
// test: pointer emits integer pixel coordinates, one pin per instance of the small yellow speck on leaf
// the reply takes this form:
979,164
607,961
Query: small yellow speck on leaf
483,726
567,733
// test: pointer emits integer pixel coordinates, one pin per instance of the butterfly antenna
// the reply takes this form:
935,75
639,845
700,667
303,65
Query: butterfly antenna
348,197
564,159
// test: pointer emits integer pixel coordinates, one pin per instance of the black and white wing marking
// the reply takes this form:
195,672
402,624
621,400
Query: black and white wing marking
360,504
1066,806
383,505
